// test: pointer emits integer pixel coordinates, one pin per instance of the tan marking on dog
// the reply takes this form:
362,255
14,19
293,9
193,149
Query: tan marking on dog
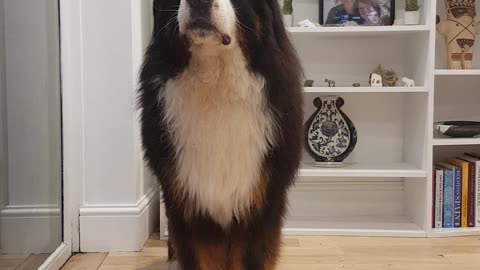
222,129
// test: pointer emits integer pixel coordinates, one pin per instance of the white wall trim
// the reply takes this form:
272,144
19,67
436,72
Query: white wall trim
73,120
24,222
58,258
30,210
120,209
122,227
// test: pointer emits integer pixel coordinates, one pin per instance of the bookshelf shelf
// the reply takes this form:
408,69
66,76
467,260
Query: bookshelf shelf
364,170
456,141
454,232
354,31
449,72
365,90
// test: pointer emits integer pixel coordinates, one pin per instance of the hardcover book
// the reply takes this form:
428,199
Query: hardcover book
447,198
439,198
465,170
476,157
471,190
457,193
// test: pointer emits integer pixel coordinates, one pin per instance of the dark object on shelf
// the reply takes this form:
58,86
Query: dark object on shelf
330,135
331,83
308,83
458,129
356,85
365,12
390,78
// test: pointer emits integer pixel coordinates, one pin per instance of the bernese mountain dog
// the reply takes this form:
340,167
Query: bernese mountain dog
221,119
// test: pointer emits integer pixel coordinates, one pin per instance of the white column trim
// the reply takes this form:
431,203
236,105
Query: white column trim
108,228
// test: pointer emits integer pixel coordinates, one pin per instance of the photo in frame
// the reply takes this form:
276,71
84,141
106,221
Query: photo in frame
356,12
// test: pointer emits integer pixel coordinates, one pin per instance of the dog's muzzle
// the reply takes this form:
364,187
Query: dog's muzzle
200,21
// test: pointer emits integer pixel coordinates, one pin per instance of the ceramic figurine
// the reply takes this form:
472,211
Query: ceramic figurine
330,135
389,78
459,30
376,80
459,129
331,83
408,82
308,83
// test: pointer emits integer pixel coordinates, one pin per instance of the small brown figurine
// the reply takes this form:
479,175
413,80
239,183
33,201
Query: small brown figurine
389,77
460,30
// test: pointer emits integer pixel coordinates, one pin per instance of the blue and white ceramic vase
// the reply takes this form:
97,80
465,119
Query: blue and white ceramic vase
330,135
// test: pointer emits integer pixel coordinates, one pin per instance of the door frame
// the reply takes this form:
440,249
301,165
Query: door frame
72,126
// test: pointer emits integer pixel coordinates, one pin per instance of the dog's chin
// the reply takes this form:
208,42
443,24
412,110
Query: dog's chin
200,36
203,35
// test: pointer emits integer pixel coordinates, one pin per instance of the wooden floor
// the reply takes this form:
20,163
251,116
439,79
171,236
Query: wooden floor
22,262
318,253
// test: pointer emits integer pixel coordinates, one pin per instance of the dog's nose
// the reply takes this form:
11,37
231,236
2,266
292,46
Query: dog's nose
200,3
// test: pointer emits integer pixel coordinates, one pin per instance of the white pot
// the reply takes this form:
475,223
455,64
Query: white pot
412,17
288,20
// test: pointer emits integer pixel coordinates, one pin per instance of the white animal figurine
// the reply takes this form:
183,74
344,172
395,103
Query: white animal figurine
408,82
306,23
376,80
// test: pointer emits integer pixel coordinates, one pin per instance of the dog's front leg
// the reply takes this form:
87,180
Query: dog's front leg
199,246
263,248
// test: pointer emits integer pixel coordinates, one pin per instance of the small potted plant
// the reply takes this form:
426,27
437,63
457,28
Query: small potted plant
287,11
412,13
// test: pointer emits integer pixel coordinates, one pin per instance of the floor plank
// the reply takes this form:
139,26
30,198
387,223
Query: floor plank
33,262
88,261
11,262
332,253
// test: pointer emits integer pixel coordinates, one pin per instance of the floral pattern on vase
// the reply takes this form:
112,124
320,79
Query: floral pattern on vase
330,135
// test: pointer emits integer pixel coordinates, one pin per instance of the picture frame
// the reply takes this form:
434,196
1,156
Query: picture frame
356,12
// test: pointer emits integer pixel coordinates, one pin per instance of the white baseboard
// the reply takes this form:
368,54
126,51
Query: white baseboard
107,228
57,259
30,229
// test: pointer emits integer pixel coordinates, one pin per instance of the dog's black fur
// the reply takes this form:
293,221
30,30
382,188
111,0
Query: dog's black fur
252,243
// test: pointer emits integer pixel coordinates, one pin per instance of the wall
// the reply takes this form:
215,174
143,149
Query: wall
118,192
31,221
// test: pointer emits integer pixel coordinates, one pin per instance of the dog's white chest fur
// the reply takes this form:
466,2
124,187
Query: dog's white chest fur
221,128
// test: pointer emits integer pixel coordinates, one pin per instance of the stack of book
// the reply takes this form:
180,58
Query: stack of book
456,192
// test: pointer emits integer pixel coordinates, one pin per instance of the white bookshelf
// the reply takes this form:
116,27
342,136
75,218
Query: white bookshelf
364,170
349,31
449,72
386,187
365,89
454,232
456,141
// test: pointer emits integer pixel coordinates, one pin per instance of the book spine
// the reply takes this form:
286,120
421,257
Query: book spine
439,199
471,195
447,199
434,181
477,189
464,195
457,198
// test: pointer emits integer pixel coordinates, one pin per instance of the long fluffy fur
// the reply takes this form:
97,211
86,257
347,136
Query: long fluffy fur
225,202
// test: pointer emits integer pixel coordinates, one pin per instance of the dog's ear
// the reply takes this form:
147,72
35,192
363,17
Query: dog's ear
278,26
